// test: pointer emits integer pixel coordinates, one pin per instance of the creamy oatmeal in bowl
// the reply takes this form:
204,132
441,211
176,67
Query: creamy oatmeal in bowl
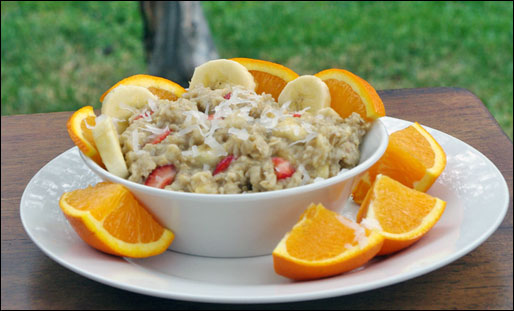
227,169
232,140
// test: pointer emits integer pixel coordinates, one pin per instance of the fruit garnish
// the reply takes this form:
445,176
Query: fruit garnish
109,218
161,137
161,87
223,164
324,243
108,144
350,93
123,101
413,157
401,214
79,127
305,92
161,176
283,169
220,73
269,77
144,115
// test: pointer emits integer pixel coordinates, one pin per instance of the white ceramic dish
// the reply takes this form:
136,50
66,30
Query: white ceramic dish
469,182
251,224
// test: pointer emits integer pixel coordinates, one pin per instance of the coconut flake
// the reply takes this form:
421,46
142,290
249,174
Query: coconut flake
218,149
135,140
155,130
201,118
189,129
306,178
242,134
303,110
152,104
193,152
307,139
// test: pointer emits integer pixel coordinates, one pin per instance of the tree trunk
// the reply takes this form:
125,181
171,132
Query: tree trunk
176,39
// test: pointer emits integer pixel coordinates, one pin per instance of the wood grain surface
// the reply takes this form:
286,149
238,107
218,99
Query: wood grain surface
480,280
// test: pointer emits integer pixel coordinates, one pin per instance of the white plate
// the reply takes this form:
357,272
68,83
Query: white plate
477,200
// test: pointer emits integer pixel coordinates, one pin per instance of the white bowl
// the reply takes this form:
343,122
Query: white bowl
250,224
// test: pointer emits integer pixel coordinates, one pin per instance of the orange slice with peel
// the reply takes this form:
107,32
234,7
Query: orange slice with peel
350,93
401,214
79,128
324,243
109,218
160,87
269,77
413,157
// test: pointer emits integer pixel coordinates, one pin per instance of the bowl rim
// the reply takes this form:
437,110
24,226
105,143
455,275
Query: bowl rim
360,168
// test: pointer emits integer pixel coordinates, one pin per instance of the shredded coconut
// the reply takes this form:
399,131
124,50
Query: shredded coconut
193,152
239,133
307,139
155,130
306,178
218,149
135,140
152,104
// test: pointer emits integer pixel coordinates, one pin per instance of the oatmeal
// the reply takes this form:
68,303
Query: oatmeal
232,140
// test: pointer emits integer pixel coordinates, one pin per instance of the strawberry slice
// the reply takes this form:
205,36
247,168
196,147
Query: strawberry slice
148,113
161,176
283,169
223,165
161,137
297,115
227,96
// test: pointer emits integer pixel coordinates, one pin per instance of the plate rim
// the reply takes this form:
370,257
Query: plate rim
288,297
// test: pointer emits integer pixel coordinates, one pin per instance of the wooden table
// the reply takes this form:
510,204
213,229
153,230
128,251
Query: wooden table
480,280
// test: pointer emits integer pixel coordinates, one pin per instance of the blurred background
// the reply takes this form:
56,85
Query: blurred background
59,56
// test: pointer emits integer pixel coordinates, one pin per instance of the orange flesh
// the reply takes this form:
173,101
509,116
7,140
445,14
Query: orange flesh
162,94
398,208
322,236
267,83
416,144
344,99
87,132
116,210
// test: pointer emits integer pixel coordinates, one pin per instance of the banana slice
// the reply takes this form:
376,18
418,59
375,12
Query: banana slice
219,73
122,102
108,145
305,91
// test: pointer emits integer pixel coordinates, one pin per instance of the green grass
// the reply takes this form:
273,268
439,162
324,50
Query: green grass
53,54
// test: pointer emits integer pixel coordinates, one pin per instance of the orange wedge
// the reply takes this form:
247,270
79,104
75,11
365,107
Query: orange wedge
324,243
269,77
109,218
401,214
350,93
79,128
413,157
160,87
